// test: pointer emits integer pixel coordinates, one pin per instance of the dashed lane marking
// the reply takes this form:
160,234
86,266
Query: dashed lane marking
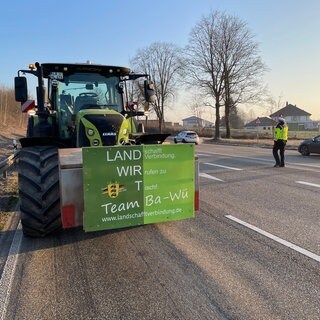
205,175
221,166
203,155
309,184
277,239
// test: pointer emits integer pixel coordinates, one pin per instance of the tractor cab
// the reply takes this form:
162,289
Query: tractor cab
76,95
86,105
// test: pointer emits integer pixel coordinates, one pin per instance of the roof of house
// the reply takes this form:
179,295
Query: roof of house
191,118
194,118
290,110
261,122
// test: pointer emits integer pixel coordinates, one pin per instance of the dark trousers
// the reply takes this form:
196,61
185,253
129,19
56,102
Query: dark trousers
279,145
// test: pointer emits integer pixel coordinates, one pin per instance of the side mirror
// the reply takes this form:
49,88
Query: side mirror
149,91
119,87
21,89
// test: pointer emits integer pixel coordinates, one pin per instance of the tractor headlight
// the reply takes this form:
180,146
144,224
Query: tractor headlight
90,132
95,142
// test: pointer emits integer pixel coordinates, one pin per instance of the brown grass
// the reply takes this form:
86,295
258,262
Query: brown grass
8,196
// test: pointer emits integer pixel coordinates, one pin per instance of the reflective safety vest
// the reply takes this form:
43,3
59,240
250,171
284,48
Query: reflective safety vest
281,132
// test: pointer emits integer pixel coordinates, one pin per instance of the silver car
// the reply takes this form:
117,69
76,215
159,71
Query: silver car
187,137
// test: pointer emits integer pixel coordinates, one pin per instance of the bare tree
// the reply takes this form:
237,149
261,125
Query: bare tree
162,61
196,105
272,104
203,65
242,65
223,60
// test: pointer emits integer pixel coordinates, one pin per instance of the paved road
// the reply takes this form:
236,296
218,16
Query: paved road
251,253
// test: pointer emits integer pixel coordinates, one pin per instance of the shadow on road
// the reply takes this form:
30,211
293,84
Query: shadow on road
61,238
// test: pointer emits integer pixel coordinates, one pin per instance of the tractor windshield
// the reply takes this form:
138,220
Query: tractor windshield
81,91
88,91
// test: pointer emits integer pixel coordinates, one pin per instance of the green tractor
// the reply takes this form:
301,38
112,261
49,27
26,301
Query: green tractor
81,105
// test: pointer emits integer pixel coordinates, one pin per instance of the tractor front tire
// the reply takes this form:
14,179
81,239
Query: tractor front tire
39,191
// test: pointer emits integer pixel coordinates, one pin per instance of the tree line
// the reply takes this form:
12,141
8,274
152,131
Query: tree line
221,62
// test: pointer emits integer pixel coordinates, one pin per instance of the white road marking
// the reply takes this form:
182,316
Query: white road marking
203,155
219,165
309,184
299,166
277,239
8,271
205,175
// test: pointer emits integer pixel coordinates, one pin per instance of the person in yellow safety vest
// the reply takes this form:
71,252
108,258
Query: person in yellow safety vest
280,140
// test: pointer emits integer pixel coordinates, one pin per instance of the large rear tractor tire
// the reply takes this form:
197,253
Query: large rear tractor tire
39,191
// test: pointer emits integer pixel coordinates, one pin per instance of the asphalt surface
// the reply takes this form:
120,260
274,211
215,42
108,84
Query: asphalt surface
210,267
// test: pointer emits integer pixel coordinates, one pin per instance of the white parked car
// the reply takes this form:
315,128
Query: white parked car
187,137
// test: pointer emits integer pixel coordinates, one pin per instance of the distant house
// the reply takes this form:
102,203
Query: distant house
296,118
196,122
261,124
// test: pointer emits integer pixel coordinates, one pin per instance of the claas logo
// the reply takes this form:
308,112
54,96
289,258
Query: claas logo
113,189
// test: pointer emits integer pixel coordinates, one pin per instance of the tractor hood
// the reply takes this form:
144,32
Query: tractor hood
98,127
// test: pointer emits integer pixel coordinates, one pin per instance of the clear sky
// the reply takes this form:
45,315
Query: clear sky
111,31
